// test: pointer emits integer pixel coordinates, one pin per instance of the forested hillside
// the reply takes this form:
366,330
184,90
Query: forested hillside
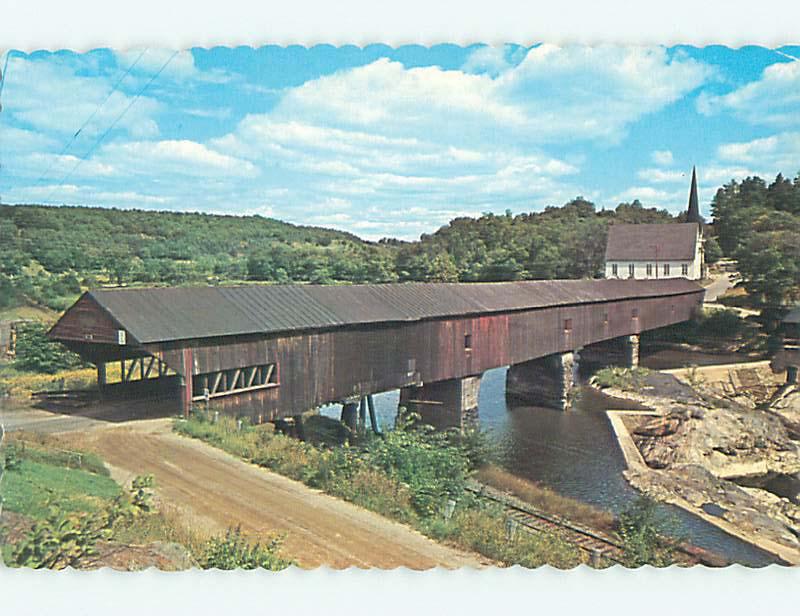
49,254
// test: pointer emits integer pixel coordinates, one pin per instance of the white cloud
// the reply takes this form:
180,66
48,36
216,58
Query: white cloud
182,157
661,176
50,94
553,93
774,99
177,67
767,156
662,157
488,59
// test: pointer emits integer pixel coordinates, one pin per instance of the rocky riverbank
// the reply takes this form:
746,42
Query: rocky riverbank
697,443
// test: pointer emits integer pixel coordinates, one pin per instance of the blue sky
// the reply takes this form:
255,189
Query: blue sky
393,142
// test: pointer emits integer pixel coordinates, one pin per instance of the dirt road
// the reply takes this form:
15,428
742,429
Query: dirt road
214,491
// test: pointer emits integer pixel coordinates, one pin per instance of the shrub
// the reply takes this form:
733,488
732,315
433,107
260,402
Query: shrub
627,379
61,540
35,352
641,529
233,551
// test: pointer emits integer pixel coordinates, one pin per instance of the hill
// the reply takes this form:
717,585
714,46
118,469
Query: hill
49,254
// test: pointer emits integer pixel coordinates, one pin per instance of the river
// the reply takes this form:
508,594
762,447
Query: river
575,453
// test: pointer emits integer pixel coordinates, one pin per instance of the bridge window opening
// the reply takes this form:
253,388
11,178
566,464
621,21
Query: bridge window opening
684,269
631,270
635,313
614,269
136,369
666,269
467,342
649,269
239,380
567,325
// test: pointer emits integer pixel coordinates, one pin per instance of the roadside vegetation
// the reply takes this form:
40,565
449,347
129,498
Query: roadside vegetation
545,499
411,474
62,509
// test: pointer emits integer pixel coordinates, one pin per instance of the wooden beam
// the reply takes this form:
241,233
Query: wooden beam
235,381
252,378
149,367
217,379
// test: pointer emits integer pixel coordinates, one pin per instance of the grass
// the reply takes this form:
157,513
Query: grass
483,530
626,379
31,487
396,477
546,499
164,525
19,383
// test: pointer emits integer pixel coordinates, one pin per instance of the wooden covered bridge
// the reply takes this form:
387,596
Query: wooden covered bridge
273,351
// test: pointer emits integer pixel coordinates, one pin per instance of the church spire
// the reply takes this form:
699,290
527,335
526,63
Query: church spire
693,215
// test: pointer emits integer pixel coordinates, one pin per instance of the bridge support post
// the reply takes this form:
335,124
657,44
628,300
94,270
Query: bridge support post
350,415
547,381
622,351
444,404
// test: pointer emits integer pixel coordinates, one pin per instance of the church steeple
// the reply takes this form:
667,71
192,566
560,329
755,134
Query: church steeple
693,215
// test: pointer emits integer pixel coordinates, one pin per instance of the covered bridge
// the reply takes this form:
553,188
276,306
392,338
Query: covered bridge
271,351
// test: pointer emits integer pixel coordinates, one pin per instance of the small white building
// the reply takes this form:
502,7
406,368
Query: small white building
655,251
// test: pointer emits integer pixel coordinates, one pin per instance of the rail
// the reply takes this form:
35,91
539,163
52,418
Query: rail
596,544
532,520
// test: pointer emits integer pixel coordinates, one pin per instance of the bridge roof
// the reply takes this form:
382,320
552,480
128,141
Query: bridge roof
166,314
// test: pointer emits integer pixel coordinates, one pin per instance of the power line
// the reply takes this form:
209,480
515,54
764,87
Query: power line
110,128
90,118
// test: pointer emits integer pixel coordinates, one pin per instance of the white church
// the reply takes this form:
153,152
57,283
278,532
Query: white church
658,250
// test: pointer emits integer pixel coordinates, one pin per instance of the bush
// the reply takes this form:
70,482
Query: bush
641,529
627,379
61,540
37,353
233,551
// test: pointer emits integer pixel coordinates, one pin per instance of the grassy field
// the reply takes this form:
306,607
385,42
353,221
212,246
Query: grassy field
31,487
22,384
39,475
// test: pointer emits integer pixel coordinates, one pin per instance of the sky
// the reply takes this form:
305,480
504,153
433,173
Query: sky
393,142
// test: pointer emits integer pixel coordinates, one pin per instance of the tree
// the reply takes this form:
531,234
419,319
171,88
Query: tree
37,353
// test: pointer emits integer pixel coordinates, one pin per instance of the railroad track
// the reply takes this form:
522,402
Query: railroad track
595,544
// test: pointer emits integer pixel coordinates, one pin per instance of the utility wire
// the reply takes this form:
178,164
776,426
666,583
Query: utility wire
110,128
90,118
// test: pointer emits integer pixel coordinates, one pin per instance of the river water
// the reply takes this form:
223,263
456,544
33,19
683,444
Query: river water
576,454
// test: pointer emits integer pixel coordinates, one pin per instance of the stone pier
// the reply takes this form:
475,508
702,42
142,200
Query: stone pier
548,381
622,351
444,404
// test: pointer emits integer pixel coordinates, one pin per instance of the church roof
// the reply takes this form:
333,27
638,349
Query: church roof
652,242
